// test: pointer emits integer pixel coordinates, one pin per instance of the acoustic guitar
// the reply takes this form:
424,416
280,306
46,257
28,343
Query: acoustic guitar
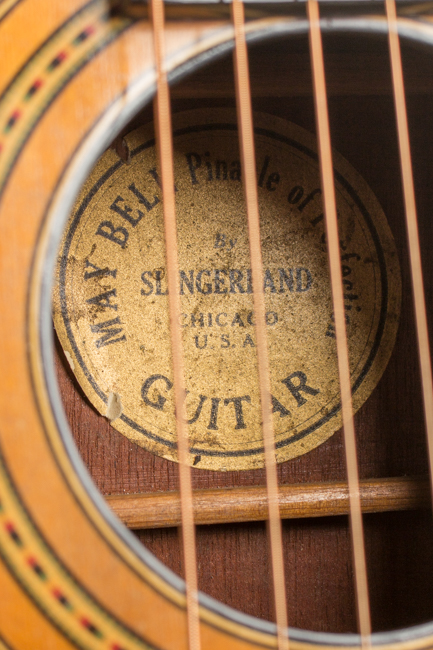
96,478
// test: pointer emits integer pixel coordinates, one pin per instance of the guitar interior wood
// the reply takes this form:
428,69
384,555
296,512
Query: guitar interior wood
233,560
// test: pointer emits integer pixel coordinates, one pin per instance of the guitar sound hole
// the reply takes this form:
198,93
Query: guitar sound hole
233,559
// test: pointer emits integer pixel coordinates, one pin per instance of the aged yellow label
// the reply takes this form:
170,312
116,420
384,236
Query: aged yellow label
110,302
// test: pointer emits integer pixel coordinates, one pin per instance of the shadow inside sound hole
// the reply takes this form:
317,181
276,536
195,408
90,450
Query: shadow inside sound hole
400,565
233,565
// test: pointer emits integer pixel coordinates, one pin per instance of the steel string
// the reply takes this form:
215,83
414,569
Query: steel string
331,225
411,225
249,173
165,144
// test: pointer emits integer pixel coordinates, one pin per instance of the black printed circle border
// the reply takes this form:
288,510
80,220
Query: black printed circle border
383,280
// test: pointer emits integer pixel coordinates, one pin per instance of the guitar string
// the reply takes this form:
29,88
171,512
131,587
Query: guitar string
411,225
331,225
246,140
165,145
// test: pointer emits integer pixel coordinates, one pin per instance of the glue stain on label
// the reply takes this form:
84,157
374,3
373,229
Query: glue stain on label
111,305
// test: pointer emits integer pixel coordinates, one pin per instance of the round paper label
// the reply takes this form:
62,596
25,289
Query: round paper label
111,308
